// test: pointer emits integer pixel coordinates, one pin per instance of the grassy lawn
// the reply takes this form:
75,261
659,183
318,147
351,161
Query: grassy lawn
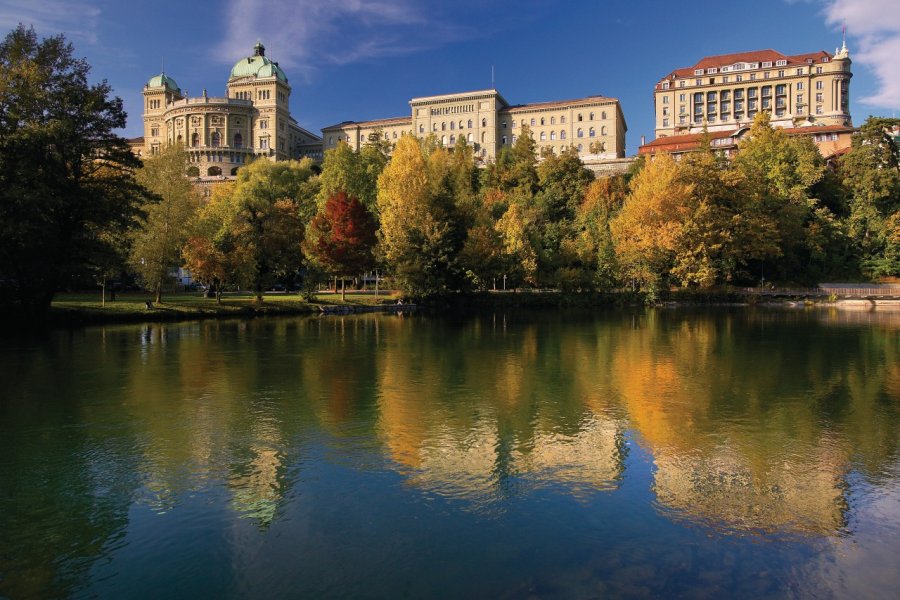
194,303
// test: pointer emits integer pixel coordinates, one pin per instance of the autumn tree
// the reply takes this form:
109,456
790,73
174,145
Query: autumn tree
341,237
422,229
156,244
602,200
352,172
66,177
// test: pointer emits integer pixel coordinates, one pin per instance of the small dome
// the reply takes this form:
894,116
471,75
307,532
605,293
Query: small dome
257,66
163,80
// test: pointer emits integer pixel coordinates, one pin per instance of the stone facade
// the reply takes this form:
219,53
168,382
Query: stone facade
595,125
222,134
725,92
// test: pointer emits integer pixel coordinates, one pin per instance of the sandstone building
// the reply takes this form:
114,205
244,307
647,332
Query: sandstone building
724,93
594,125
221,134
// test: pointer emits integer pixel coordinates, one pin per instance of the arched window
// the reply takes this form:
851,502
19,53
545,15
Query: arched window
591,132
195,140
470,123
552,135
542,120
178,139
603,115
580,147
602,146
452,125
562,134
460,124
470,137
580,132
504,139
603,130
421,128
434,126
579,117
443,140
553,120
234,171
215,139
562,119
514,138
395,135
483,124
193,171
443,127
238,140
452,139
543,136
532,122
386,135
591,117
482,136
214,171
562,148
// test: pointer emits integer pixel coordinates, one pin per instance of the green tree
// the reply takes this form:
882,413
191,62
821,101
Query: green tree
66,179
268,211
355,173
870,173
156,244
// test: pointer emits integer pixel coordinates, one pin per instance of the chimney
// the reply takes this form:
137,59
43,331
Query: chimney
643,140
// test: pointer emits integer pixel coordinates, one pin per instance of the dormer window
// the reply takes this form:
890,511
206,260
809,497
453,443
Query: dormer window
725,69
712,71
665,85
824,59
780,63
698,72
767,64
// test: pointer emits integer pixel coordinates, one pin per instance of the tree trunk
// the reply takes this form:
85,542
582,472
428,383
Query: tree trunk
218,294
343,288
376,283
335,284
158,293
103,292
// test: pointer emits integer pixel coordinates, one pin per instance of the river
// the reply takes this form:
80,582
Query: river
741,453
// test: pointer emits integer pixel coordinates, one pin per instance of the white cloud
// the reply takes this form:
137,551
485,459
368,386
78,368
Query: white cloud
77,20
306,34
875,26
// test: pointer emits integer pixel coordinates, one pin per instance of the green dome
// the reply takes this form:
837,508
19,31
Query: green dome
257,66
163,80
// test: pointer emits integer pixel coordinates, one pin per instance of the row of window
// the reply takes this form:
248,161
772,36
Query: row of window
737,78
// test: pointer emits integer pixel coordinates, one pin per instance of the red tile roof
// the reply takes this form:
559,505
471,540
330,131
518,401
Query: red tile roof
681,143
723,60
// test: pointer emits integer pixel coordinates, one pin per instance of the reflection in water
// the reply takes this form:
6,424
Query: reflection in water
758,423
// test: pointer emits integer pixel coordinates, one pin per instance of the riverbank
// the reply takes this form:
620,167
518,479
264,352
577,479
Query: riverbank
84,309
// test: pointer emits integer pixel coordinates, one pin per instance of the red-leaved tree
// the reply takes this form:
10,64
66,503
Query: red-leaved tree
341,237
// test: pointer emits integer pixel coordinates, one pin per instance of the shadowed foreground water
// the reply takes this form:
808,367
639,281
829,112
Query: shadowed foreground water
722,453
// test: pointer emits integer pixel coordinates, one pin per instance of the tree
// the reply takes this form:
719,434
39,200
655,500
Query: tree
156,245
422,230
267,213
341,237
65,177
870,173
602,200
355,173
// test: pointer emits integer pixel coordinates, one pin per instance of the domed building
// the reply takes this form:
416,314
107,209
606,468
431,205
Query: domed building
223,134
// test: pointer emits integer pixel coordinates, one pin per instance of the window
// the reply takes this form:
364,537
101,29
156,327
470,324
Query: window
503,124
579,117
154,131
740,78
395,135
421,128
514,138
543,136
820,85
799,85
725,79
195,140
818,109
781,73
562,119
553,120
470,138
443,140
681,83
264,124
238,140
452,125
665,122
592,133
552,135
483,124
215,139
532,122
682,120
819,97
800,71
712,71
214,171
698,71
461,125
681,97
503,139
799,100
665,85
591,117
818,70
562,134
264,144
603,130
780,89
580,133
542,120
780,63
767,64
443,127
580,147
470,123
452,139
698,82
434,126
665,99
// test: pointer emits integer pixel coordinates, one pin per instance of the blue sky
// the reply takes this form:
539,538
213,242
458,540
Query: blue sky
359,59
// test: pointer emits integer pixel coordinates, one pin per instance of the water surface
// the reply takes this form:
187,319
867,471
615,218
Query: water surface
667,453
